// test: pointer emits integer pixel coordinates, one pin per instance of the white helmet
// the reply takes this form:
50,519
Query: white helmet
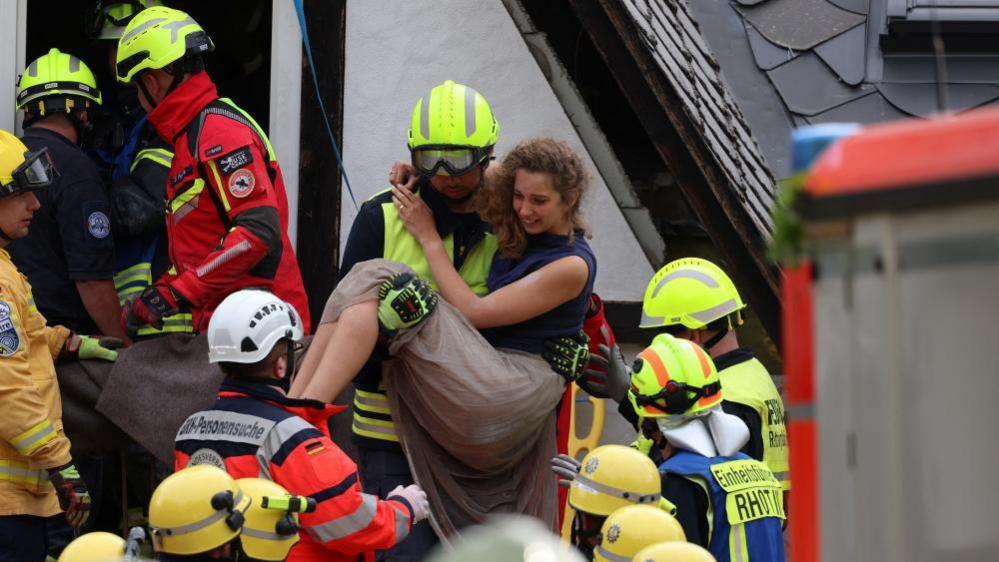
247,324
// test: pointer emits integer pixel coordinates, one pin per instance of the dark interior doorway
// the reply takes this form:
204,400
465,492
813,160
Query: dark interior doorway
240,29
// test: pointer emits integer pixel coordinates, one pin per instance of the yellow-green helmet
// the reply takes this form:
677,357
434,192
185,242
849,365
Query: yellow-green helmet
691,292
673,377
56,82
613,476
20,170
270,530
632,528
674,551
106,19
157,37
196,510
453,114
94,547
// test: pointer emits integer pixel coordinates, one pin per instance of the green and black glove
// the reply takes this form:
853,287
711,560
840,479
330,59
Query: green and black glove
404,300
568,355
74,498
92,347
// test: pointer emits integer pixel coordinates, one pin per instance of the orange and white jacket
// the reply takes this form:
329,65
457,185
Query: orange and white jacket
254,430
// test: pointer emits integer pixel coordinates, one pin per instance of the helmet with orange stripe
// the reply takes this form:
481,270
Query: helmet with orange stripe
673,377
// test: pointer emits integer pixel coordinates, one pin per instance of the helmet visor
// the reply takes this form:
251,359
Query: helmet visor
102,13
447,161
37,171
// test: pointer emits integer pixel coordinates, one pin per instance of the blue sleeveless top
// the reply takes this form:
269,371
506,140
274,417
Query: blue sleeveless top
747,501
565,319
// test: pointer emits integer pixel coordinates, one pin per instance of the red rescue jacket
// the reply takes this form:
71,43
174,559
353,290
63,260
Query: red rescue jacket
255,431
227,211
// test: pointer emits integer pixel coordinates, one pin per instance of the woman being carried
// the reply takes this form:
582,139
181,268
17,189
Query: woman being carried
476,409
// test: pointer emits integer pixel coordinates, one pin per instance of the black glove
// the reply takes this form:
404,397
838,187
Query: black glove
607,375
568,355
567,468
74,498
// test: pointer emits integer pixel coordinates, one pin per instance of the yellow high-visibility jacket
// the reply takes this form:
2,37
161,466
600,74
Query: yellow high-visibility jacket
31,435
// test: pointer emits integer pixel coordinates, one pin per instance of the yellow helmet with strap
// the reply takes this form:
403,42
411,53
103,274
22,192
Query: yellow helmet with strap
195,510
271,526
673,377
94,547
691,292
630,529
106,19
614,476
56,82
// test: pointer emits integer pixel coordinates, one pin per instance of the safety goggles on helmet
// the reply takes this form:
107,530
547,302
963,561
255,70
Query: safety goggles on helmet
448,160
37,171
100,14
675,398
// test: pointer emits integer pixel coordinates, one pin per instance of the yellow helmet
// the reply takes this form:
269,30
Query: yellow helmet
56,82
673,377
271,526
157,37
452,130
674,551
196,510
21,170
614,476
106,19
630,529
691,292
94,547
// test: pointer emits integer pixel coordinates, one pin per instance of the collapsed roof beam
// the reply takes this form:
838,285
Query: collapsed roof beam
681,144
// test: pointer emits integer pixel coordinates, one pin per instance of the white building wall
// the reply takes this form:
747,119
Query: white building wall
397,49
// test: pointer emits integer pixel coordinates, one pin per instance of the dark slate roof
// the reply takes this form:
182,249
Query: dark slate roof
833,60
675,41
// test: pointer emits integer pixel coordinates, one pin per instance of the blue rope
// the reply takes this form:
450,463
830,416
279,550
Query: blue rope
322,106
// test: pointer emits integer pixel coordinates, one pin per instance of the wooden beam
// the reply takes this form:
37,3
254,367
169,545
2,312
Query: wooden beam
319,175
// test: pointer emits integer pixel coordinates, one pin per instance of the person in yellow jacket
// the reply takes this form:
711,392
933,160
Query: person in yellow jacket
37,474
692,298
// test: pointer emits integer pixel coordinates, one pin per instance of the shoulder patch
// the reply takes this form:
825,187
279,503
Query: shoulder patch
10,340
235,160
241,183
98,225
179,176
217,149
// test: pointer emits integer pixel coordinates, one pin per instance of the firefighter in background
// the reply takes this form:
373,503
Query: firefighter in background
37,474
253,337
609,477
135,164
197,515
227,212
69,254
632,528
694,299
726,501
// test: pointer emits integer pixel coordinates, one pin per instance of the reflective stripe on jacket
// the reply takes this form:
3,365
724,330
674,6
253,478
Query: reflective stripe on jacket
746,510
31,435
749,383
372,416
253,430
227,210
